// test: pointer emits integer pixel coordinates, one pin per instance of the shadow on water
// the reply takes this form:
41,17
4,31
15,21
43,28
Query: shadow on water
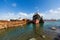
38,28
39,32
57,37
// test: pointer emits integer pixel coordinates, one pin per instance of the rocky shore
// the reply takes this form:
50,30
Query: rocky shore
12,23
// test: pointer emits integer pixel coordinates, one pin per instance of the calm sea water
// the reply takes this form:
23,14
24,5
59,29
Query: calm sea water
48,24
29,31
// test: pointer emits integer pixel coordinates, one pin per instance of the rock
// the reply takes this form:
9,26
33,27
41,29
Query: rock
43,36
32,39
56,39
53,28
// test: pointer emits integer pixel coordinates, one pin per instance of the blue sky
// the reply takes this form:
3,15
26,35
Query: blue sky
10,9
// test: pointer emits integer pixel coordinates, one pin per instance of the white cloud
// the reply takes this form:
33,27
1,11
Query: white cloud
51,14
14,4
25,15
9,15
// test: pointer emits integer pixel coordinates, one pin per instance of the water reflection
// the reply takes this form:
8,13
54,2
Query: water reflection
38,29
24,32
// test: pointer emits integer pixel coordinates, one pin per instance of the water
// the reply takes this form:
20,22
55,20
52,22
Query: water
31,31
52,24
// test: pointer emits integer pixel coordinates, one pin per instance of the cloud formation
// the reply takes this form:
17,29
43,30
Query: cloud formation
53,14
50,14
14,4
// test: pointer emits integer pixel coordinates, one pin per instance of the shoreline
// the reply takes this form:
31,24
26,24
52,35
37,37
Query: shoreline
9,24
